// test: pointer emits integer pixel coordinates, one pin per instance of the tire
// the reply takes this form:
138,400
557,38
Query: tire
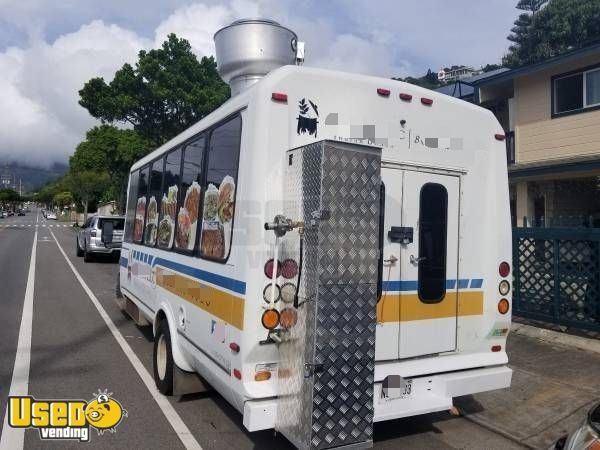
79,251
118,292
163,359
87,256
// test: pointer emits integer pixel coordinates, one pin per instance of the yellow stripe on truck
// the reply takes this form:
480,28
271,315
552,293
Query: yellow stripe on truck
396,307
223,305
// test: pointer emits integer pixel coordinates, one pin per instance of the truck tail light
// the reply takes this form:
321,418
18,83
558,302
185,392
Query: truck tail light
263,375
270,319
288,292
289,268
269,295
269,265
504,269
288,318
279,97
383,92
496,348
503,306
504,287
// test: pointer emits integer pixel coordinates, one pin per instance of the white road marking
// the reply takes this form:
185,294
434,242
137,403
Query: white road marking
180,428
14,438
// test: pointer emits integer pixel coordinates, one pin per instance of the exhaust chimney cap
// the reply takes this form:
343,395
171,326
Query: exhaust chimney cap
249,49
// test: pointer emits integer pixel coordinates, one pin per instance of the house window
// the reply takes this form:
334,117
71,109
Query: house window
576,91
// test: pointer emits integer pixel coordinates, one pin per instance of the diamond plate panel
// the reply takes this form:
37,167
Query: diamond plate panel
327,359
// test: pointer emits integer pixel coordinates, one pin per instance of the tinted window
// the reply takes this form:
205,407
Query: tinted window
117,223
189,195
168,203
568,93
154,195
219,190
140,208
433,229
131,202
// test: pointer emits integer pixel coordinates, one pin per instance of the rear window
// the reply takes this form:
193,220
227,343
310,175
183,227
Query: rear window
118,224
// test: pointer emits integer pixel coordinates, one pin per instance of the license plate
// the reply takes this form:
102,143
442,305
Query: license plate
395,387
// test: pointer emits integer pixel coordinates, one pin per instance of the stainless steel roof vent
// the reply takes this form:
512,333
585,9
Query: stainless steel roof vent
249,49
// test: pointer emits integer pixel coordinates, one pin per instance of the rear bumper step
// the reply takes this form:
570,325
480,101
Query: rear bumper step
428,394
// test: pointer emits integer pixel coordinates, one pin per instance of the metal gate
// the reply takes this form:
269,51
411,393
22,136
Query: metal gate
557,275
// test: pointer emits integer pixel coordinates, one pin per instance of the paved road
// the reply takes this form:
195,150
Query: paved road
73,354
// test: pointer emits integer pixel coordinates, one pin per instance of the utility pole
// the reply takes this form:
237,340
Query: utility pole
20,188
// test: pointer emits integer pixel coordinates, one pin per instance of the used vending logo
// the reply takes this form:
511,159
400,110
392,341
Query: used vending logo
66,419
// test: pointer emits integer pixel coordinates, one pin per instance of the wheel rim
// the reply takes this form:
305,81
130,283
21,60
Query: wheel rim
161,357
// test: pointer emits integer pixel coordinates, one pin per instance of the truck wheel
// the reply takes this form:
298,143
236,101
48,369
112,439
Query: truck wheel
163,359
87,256
118,292
79,251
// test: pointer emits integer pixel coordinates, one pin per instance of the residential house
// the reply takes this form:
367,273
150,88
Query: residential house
550,112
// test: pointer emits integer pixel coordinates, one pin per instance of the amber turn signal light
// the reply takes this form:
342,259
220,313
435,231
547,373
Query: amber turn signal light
263,375
503,306
270,319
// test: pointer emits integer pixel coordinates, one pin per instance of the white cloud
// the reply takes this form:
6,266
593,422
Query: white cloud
39,90
40,79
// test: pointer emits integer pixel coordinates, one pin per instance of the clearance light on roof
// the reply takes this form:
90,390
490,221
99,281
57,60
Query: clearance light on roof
426,101
406,97
499,137
383,92
279,97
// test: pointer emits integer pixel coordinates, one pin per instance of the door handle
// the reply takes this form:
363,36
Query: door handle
414,260
391,260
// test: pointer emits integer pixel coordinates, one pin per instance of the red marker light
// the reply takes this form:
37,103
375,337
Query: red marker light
237,374
499,137
383,92
406,97
279,97
234,347
426,101
496,348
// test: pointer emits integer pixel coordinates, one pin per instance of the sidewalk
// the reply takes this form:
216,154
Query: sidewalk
554,385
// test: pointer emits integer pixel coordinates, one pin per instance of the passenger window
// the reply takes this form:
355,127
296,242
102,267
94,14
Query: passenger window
131,204
189,195
140,208
168,203
433,229
154,192
219,190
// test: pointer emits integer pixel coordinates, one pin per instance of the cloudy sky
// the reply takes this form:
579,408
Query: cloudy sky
48,49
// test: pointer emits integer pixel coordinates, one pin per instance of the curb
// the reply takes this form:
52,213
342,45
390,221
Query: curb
556,337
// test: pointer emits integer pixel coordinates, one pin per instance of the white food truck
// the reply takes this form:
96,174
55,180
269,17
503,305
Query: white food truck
326,250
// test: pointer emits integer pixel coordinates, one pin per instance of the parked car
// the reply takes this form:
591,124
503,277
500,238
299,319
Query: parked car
587,437
51,215
90,239
21,213
11,213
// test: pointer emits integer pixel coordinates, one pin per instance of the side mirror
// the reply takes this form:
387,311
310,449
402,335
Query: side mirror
107,231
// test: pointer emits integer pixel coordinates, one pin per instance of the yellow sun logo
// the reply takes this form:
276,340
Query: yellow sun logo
104,413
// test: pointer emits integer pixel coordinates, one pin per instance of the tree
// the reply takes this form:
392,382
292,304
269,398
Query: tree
167,91
546,31
87,185
111,150
63,199
9,197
